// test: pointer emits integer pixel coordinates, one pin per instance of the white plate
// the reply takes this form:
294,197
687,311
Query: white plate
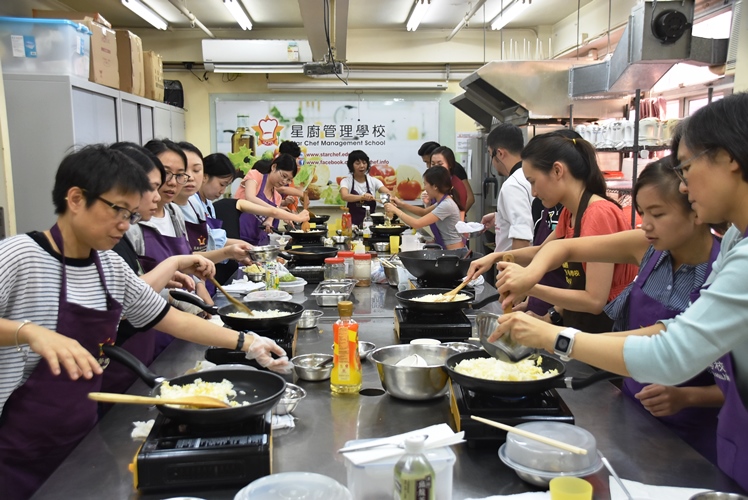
294,486
268,295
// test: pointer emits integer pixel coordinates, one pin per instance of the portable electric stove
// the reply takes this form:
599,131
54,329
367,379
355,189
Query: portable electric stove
509,410
436,282
312,274
179,456
283,335
451,326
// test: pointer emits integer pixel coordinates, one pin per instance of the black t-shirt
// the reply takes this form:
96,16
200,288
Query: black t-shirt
125,250
460,172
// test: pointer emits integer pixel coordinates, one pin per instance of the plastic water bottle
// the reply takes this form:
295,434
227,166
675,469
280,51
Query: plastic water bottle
414,477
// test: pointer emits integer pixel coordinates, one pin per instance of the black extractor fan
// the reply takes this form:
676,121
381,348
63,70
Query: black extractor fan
669,25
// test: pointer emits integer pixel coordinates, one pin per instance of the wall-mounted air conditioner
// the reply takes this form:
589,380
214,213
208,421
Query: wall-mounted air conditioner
264,56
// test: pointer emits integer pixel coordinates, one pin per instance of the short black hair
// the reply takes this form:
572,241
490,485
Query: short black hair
144,158
506,136
158,146
427,148
290,148
357,155
97,169
218,165
188,146
285,162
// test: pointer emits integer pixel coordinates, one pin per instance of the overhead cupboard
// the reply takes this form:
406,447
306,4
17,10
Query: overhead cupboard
48,115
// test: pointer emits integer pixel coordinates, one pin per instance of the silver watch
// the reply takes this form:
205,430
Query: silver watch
565,343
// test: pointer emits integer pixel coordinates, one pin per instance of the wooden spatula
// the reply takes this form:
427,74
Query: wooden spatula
232,299
450,295
305,225
199,401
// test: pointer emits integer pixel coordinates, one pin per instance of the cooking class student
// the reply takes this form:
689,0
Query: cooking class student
260,187
442,217
65,292
445,157
457,170
564,170
712,158
513,219
291,193
359,189
675,255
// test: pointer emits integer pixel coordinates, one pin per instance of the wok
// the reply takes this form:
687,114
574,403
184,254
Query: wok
378,218
243,324
299,235
520,388
405,298
261,389
319,219
311,254
392,230
443,265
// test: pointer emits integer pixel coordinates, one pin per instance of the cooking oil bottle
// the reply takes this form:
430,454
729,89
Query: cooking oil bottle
242,136
414,477
346,369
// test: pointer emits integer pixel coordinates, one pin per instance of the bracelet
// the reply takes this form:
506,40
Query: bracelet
23,323
240,341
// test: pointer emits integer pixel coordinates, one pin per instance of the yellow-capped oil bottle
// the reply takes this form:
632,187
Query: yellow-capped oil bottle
346,369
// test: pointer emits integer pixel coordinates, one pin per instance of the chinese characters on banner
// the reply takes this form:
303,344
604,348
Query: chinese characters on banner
388,131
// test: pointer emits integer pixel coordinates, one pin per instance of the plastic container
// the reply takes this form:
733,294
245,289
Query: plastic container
296,286
362,269
414,477
44,47
348,258
375,479
294,486
539,456
334,268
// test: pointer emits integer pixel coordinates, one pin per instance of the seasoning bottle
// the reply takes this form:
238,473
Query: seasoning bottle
346,223
414,477
348,258
334,268
346,370
272,280
362,269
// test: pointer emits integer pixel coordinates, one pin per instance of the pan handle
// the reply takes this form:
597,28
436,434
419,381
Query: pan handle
580,383
432,246
448,260
123,356
194,300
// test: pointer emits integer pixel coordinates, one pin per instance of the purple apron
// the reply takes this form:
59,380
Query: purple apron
555,278
435,230
45,418
732,438
696,426
250,225
357,208
210,219
197,232
157,249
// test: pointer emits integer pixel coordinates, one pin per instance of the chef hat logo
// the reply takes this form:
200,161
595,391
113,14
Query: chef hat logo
269,130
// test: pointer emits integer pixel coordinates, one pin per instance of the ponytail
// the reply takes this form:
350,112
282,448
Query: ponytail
441,179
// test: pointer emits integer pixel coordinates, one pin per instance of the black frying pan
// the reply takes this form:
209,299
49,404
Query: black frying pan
240,324
520,388
392,230
311,254
378,218
261,389
406,297
319,219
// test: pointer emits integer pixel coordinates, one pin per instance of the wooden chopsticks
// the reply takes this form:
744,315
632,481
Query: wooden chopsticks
532,435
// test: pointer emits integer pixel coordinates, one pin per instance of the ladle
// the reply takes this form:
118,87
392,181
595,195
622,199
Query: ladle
198,401
232,299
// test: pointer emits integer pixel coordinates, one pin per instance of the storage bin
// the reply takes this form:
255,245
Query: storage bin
44,47
376,480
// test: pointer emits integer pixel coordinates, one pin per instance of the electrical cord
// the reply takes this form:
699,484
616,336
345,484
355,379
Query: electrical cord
330,55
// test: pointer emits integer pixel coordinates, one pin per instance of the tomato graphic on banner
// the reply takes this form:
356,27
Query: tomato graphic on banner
269,130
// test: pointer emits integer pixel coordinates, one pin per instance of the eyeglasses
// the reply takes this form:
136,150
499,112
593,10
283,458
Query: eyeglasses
181,178
286,177
122,212
682,168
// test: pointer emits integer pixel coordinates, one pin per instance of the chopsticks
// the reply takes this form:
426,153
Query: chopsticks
532,435
232,299
507,309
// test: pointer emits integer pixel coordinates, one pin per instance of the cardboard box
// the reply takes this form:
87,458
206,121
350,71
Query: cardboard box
130,63
104,66
154,76
64,14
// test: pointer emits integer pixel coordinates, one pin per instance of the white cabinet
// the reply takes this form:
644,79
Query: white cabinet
48,115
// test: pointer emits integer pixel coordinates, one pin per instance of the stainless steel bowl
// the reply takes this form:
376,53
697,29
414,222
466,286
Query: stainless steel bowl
412,382
382,246
309,319
290,399
256,277
716,495
306,367
264,253
504,348
459,347
364,349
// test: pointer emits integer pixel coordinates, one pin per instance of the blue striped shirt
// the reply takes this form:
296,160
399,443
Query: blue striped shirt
668,288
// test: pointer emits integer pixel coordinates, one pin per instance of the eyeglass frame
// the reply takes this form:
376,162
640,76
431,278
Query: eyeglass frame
169,176
123,213
678,169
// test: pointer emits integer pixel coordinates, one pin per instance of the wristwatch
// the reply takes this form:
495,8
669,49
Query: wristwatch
556,317
565,343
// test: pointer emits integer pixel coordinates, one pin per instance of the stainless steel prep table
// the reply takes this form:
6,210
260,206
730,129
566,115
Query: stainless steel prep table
638,446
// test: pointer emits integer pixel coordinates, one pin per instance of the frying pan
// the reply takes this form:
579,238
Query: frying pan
243,324
312,254
319,219
261,389
432,264
520,388
312,234
392,230
378,218
405,298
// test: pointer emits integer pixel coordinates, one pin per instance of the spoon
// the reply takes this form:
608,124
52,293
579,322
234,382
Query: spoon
232,299
199,401
615,476
324,363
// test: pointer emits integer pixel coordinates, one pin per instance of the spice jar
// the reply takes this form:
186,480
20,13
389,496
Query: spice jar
348,259
362,269
334,268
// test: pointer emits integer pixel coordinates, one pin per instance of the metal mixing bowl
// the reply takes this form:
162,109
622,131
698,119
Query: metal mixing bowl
264,253
256,277
309,319
459,347
412,382
382,246
306,367
364,349
290,399
716,495
504,348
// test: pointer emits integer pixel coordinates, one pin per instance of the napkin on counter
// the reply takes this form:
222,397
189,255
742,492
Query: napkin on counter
141,430
642,491
243,286
438,436
283,422
531,495
469,227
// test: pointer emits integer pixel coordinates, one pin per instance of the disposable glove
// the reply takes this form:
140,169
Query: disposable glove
261,350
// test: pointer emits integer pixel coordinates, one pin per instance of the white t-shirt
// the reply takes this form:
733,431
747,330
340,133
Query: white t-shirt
514,212
374,185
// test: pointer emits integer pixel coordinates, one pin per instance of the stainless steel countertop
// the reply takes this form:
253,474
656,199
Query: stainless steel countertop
638,446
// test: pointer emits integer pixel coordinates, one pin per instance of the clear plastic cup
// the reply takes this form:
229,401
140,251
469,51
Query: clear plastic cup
570,488
394,244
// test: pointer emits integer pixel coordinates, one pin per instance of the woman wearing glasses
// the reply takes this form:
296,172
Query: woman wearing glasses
260,187
713,163
63,295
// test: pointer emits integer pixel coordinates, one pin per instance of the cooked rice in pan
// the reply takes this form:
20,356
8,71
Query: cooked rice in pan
223,390
495,369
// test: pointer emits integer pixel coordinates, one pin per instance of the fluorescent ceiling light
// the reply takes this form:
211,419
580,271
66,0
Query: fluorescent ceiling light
258,68
402,86
238,13
419,10
146,13
509,13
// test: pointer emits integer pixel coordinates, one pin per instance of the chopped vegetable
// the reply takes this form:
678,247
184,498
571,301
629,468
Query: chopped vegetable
287,278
